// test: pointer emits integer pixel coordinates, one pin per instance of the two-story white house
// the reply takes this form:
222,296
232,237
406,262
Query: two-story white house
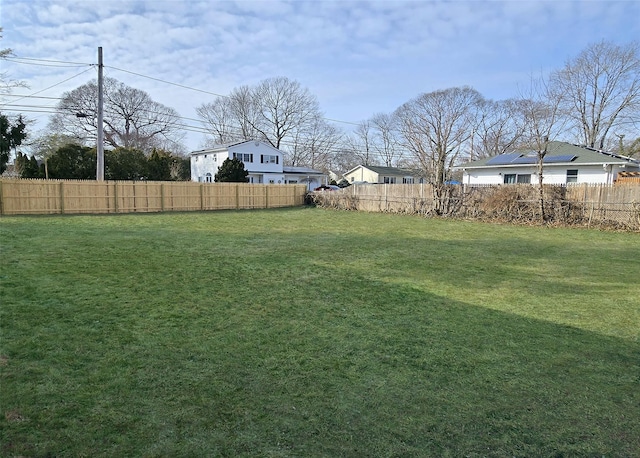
263,162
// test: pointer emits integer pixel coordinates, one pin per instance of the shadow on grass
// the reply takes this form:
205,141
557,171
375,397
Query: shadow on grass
388,371
321,343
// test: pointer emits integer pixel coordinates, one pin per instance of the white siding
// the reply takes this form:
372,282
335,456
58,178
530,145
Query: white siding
596,174
362,174
209,161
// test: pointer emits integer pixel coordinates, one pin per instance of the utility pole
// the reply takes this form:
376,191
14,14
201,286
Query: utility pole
100,140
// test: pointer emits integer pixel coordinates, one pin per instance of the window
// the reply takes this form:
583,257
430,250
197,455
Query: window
512,178
572,176
293,181
208,178
407,180
244,157
389,180
268,159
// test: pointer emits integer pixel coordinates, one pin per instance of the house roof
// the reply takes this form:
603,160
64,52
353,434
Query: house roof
301,171
225,146
386,171
558,154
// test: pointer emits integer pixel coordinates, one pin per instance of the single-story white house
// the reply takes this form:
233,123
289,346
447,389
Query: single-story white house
564,163
381,175
263,162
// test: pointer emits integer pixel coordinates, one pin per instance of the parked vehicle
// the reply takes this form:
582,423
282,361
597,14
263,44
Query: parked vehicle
327,187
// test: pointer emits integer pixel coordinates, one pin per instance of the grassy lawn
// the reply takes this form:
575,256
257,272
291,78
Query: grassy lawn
308,332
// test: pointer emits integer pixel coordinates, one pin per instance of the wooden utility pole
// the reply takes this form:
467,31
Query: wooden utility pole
100,140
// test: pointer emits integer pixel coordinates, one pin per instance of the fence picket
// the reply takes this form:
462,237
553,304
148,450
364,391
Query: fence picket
23,196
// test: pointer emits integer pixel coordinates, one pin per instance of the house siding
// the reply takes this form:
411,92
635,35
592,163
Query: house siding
263,162
593,166
362,173
592,174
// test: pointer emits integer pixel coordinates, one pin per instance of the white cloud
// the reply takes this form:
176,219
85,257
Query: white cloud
358,57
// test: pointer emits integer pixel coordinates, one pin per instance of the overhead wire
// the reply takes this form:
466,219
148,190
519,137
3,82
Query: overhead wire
67,63
53,85
187,127
49,62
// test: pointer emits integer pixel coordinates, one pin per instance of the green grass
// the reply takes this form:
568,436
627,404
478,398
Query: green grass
307,332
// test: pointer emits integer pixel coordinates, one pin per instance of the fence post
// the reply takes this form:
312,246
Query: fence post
62,197
162,197
201,196
266,197
237,196
1,200
115,196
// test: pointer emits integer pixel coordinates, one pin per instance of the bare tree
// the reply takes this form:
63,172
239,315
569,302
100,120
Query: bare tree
278,111
500,127
218,119
7,84
600,91
46,146
434,128
343,160
314,144
360,144
628,148
544,121
131,118
283,107
231,118
385,141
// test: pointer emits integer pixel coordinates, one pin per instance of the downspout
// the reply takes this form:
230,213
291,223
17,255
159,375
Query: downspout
607,169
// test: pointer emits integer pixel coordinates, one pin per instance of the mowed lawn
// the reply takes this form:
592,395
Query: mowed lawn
308,332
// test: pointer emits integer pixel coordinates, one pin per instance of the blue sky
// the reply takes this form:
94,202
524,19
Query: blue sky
357,58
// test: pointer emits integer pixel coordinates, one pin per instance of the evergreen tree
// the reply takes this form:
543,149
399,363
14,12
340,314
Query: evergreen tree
159,165
11,136
125,164
232,171
28,168
73,162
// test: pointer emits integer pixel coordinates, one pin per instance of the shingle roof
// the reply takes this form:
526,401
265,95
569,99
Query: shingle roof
301,170
572,154
388,171
224,146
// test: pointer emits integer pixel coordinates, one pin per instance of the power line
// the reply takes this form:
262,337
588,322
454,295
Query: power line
49,62
54,85
185,127
22,96
205,92
166,82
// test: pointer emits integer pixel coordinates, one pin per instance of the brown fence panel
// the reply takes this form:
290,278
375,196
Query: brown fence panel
628,180
574,204
19,197
182,196
22,197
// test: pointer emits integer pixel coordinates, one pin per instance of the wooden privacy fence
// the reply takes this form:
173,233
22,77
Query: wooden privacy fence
31,197
617,205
